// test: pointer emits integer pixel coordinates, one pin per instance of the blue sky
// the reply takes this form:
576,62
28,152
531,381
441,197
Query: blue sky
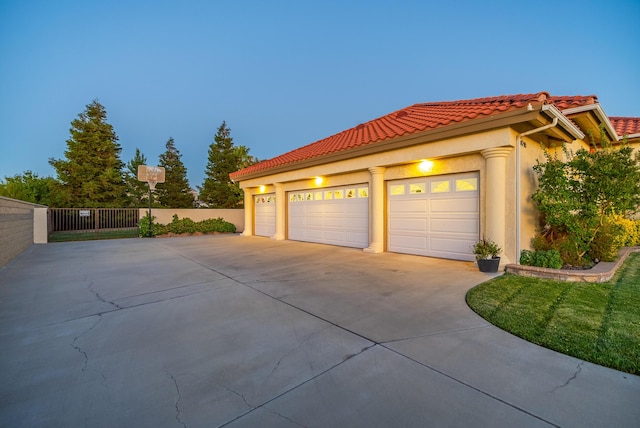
283,74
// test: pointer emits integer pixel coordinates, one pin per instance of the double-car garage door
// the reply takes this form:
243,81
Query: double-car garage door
335,215
434,216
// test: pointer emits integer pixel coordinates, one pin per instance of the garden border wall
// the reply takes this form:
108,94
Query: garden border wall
602,272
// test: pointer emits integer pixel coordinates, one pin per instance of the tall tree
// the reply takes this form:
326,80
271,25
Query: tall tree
29,187
217,190
175,192
136,190
91,174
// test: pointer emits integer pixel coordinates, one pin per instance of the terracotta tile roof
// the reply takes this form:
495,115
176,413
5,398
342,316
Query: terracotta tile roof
565,102
413,119
626,125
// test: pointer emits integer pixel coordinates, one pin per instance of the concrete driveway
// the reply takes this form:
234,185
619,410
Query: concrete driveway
243,331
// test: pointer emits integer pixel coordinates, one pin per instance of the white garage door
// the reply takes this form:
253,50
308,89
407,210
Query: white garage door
336,216
265,215
434,216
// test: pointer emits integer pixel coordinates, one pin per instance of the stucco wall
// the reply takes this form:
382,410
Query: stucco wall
450,156
165,215
16,227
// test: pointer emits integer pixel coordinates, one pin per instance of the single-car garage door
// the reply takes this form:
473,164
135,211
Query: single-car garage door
434,216
335,215
265,206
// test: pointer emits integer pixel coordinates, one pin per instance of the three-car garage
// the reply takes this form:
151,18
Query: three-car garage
435,216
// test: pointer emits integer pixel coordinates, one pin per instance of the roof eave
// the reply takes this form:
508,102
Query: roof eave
563,121
600,114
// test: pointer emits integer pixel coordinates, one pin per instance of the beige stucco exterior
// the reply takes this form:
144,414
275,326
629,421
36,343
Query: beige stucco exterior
490,149
490,153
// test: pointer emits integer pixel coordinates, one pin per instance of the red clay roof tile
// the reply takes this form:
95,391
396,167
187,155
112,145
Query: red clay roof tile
413,119
626,125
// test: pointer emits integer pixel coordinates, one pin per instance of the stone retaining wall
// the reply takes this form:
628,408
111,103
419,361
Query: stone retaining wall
602,272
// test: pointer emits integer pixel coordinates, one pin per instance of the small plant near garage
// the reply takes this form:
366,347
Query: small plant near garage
486,252
585,200
185,226
546,259
598,322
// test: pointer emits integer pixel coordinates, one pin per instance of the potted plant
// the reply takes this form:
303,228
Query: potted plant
486,252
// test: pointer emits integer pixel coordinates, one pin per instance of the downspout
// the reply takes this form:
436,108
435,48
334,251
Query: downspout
518,192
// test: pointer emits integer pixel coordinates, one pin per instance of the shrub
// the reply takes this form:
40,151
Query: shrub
630,230
576,195
541,258
612,236
143,226
186,225
177,226
215,225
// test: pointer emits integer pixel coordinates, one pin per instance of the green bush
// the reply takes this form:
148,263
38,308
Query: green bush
578,191
186,225
630,230
609,239
541,258
215,225
143,226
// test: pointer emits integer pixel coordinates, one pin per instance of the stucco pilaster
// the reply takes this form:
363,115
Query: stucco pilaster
376,210
248,213
496,195
280,212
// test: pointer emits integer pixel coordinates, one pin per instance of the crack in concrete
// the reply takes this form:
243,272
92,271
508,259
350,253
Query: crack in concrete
571,379
287,418
79,349
437,333
177,405
292,350
101,298
239,395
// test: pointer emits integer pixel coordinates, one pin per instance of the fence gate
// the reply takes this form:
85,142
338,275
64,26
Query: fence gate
69,224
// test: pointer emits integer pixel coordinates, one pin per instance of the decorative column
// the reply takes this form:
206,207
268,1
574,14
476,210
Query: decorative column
248,213
280,210
376,210
496,196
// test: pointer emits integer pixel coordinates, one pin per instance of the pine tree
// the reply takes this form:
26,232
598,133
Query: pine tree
175,192
91,175
217,190
136,190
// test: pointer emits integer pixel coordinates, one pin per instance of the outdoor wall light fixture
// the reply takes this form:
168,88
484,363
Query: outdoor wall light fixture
319,181
425,166
262,188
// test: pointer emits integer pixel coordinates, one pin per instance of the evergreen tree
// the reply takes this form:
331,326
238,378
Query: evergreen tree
91,174
217,190
136,190
175,192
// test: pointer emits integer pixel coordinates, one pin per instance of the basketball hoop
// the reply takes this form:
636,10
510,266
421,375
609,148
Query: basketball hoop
152,175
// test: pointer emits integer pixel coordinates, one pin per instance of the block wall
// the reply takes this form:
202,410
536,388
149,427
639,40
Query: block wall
16,228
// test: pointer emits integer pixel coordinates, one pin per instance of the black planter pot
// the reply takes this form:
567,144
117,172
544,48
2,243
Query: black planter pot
489,265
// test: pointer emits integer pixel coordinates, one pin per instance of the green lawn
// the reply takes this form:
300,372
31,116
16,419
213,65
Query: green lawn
91,235
599,323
